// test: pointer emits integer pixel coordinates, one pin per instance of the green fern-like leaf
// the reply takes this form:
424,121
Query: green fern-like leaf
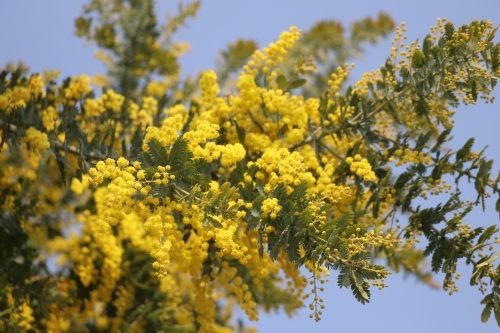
146,160
359,289
486,313
462,152
344,279
179,155
157,152
150,171
487,233
496,312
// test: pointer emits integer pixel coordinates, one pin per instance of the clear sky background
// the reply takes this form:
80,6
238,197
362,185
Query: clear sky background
41,34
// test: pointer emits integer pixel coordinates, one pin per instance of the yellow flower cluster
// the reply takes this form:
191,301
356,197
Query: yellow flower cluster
290,110
57,323
49,75
201,135
11,174
257,142
120,190
272,111
209,88
149,105
397,42
232,154
339,77
119,203
78,87
109,102
361,87
236,286
249,93
50,118
78,186
113,101
84,252
98,263
226,241
36,139
361,167
267,59
171,252
125,294
178,109
14,98
367,241
270,207
156,89
338,115
99,80
337,194
143,115
289,107
279,166
166,134
36,85
435,187
406,155
106,58
93,107
212,109
24,314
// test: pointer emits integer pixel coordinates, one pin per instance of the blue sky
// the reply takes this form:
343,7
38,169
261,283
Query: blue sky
40,34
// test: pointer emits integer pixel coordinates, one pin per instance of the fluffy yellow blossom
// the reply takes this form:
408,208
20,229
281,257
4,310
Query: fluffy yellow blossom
203,132
338,77
78,87
49,75
167,133
232,154
362,168
225,240
177,109
36,84
36,139
93,107
406,155
281,166
156,89
100,80
18,97
25,315
50,118
249,94
205,232
78,186
150,105
257,142
295,135
267,59
209,88
270,207
112,101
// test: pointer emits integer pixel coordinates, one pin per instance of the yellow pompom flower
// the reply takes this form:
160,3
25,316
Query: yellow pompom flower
36,139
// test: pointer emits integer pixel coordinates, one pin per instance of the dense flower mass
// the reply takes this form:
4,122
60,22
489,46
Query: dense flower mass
167,203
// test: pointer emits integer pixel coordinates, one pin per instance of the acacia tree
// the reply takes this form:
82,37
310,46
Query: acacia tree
167,202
